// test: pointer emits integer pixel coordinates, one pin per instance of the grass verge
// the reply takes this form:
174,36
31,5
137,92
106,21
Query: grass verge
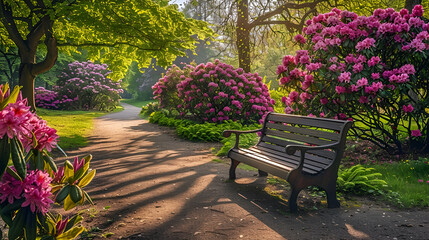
408,182
73,127
136,103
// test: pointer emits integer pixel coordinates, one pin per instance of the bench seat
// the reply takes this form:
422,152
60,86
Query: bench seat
303,150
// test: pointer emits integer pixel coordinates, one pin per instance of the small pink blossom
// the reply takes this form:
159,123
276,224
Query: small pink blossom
416,133
408,108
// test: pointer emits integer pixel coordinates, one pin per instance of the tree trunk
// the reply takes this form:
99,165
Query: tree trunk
26,80
243,35
409,4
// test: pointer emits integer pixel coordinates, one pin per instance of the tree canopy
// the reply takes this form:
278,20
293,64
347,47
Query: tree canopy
113,31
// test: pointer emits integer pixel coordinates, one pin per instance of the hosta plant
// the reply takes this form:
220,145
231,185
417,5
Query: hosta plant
32,182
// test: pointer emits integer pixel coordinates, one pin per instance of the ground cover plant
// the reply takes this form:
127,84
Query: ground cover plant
371,70
81,86
215,92
30,179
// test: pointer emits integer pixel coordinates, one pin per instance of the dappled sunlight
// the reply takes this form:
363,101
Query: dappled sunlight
151,184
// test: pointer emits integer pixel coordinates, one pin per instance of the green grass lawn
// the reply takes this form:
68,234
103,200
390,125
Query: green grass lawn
137,103
73,127
408,182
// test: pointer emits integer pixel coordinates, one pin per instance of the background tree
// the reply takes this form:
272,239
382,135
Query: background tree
116,32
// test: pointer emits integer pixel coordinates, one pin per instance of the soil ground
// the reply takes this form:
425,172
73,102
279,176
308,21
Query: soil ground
152,185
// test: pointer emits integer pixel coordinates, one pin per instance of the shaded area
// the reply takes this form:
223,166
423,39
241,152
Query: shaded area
160,187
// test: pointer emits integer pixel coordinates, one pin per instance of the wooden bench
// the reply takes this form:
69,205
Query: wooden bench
306,151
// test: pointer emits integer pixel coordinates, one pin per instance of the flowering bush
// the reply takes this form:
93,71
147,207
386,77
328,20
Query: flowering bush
165,90
30,186
82,85
372,70
215,92
46,99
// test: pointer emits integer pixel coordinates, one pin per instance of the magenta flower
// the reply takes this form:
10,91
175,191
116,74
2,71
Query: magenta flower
35,189
408,108
416,133
365,44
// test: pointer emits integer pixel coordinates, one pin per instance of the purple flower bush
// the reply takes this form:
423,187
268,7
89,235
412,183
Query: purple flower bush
215,92
33,183
371,70
82,85
45,98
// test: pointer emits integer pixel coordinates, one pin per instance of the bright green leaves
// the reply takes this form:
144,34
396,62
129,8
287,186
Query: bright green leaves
118,32
75,177
11,98
359,180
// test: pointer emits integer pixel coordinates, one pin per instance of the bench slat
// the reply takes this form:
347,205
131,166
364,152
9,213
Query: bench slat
297,137
332,124
317,160
308,163
280,148
305,131
270,161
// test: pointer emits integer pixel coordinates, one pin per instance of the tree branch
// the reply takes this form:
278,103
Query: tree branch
51,55
7,19
282,8
115,44
287,23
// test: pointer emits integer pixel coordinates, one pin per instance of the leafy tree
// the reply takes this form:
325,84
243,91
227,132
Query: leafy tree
116,32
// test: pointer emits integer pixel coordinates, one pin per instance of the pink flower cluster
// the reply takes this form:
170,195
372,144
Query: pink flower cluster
17,120
352,64
216,91
165,89
35,189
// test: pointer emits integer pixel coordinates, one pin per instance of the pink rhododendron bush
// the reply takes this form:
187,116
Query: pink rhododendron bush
215,92
33,183
82,85
372,70
165,90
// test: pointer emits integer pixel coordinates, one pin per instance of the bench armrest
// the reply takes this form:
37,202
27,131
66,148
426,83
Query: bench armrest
227,133
291,149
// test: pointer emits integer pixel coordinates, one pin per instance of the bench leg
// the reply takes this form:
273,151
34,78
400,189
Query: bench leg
332,200
292,200
234,164
262,173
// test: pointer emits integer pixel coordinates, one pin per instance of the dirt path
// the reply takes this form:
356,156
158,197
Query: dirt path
157,186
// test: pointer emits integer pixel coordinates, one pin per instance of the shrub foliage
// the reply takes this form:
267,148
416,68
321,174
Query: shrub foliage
215,92
372,70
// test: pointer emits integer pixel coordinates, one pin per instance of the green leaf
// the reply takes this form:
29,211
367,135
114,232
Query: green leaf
72,222
71,234
14,174
30,225
68,203
87,178
18,157
17,228
62,194
51,162
11,99
75,193
87,197
4,154
8,211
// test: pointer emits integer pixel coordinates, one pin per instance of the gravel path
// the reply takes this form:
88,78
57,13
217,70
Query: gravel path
152,185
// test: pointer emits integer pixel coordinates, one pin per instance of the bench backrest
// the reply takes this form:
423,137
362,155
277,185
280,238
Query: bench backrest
280,130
